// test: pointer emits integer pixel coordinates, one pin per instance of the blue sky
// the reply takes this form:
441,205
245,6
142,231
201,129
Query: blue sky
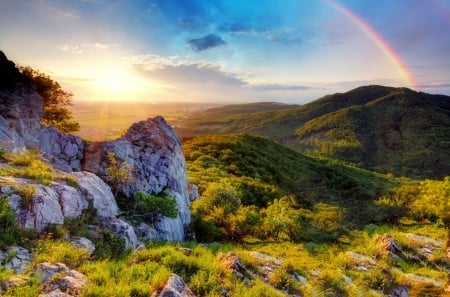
290,51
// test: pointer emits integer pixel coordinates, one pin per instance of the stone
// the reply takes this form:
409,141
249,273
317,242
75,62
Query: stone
387,244
154,156
55,293
97,193
84,243
233,265
64,151
360,261
399,291
193,192
58,276
146,233
176,287
123,230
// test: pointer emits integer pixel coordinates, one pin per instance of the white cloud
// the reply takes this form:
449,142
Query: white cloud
73,49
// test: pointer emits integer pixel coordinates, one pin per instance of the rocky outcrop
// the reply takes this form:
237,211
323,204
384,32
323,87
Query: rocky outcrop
175,287
16,258
58,278
51,204
21,109
64,151
155,160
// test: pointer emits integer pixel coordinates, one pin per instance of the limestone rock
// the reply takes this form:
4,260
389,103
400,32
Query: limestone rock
64,151
233,265
153,153
399,291
176,287
193,192
16,258
146,233
97,194
123,230
387,244
84,243
58,277
359,261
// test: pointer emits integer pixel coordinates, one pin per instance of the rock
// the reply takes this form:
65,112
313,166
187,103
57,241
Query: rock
233,265
299,278
55,293
399,291
424,241
359,261
64,151
84,243
193,192
146,233
175,287
15,258
51,204
21,109
97,194
123,230
387,244
156,162
58,276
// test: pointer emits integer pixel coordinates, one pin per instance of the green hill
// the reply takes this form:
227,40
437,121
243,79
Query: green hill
389,130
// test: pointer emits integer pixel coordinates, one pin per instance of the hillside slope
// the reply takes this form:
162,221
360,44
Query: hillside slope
385,129
263,170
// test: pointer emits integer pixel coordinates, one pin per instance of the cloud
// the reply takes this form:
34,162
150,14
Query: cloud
73,49
280,87
176,71
206,42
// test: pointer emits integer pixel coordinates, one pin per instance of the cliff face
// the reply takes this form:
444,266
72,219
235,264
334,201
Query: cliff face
153,152
150,148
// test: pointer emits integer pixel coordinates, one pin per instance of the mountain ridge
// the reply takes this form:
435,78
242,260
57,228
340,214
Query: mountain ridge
372,117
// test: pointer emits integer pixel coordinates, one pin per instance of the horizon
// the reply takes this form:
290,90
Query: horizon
229,52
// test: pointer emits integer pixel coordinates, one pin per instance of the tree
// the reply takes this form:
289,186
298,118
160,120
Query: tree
119,173
152,207
55,99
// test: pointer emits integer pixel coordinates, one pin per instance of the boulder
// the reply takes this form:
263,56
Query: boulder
97,194
387,244
83,243
15,258
123,230
146,233
52,203
58,277
176,287
154,157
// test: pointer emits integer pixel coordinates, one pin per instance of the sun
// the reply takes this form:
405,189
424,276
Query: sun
119,81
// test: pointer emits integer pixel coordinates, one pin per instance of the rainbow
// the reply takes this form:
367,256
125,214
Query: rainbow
382,44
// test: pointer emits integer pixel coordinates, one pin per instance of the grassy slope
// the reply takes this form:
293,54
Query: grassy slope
267,170
379,128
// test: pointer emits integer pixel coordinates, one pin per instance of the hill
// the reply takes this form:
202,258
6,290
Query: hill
389,130
260,171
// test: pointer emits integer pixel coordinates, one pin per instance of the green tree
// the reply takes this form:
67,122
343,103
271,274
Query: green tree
281,219
219,214
55,99
152,207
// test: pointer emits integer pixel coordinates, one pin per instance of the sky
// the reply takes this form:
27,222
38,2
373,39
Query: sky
231,51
